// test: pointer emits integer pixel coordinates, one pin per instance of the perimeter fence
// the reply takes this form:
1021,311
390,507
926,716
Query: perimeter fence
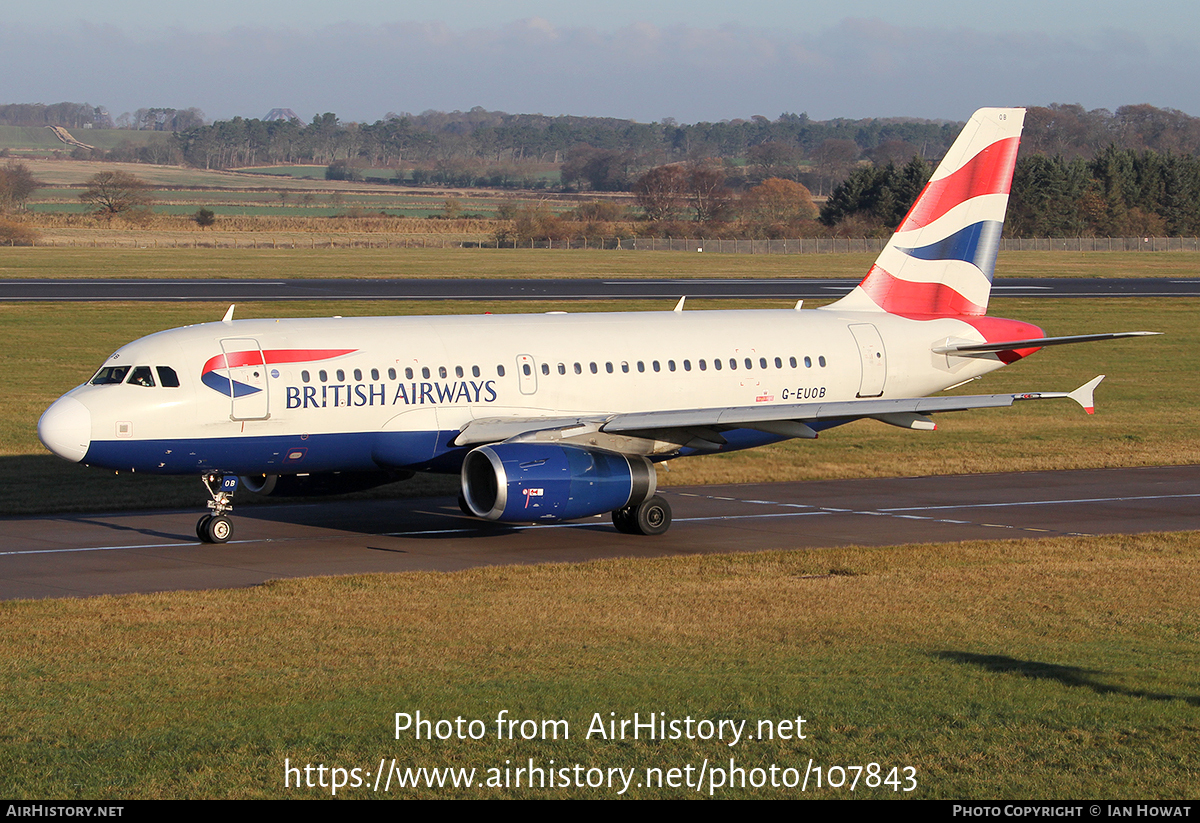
811,245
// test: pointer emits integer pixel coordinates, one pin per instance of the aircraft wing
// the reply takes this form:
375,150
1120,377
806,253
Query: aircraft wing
789,420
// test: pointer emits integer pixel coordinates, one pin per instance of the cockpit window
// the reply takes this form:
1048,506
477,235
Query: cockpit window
167,377
110,374
142,377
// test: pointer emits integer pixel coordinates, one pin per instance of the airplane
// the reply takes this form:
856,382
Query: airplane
561,416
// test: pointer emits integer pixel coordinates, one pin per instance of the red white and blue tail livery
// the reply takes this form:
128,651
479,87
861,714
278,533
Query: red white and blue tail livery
941,259
557,416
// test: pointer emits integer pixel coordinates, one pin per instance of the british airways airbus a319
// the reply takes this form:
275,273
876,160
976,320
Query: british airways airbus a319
560,416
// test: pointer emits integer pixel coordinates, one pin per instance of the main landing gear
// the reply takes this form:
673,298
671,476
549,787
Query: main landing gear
651,516
216,527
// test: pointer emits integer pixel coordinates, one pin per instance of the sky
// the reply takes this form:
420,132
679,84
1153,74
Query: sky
646,61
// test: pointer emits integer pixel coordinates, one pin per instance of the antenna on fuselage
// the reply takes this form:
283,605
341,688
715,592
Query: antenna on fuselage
679,305
229,314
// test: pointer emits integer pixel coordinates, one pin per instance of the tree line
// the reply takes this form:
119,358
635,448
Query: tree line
1117,193
1129,172
495,137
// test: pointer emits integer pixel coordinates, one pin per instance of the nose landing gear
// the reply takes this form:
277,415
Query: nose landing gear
216,527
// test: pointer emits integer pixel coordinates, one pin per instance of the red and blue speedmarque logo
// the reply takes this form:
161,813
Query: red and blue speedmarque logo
215,373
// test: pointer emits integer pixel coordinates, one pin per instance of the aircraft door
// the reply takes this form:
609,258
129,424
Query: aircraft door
527,373
873,357
246,369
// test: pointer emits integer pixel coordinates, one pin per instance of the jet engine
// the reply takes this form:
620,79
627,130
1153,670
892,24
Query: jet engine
528,482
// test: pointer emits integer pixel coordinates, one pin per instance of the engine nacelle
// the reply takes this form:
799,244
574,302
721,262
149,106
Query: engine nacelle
527,482
318,483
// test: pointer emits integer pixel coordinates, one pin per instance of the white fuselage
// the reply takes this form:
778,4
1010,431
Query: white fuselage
355,394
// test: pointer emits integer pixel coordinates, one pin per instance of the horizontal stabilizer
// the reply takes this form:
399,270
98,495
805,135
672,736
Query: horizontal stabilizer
968,349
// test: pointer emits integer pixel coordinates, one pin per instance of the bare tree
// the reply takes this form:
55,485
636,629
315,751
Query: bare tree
710,197
834,158
661,192
16,185
115,193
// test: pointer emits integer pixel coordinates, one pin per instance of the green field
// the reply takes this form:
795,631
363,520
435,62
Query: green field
550,175
26,262
76,172
299,172
1050,669
221,209
42,140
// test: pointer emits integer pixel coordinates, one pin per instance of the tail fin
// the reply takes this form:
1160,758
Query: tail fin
941,258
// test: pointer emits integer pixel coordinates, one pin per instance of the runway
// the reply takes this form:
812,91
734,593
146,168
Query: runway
233,291
86,555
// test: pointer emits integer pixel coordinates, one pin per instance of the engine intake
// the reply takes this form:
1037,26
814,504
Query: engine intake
527,482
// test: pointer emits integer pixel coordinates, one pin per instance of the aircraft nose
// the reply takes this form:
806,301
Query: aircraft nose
66,429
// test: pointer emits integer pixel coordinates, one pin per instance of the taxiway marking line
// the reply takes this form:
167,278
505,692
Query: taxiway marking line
813,510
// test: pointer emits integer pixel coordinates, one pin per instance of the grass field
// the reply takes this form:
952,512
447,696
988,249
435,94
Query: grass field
368,263
62,199
66,172
1050,669
36,138
76,172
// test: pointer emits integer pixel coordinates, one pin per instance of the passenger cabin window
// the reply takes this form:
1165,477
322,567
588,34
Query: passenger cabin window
425,372
391,374
500,371
324,375
341,376
545,368
474,371
304,375
442,372
142,377
109,375
167,377
821,361
562,368
358,374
